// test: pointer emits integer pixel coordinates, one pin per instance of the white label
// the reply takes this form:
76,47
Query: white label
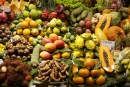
1,61
110,44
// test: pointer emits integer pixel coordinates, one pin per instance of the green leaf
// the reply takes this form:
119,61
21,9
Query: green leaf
4,85
98,64
37,82
62,50
79,63
33,71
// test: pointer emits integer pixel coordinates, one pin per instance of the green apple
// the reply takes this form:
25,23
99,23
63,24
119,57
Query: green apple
34,14
26,13
39,21
32,6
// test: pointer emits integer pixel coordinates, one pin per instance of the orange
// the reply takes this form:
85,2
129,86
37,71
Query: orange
74,69
90,80
56,56
19,31
95,72
65,55
33,24
42,33
78,80
28,19
89,63
30,39
84,72
6,3
102,71
26,32
100,80
34,31
24,24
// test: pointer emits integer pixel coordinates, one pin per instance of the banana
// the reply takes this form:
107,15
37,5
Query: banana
125,61
127,72
128,66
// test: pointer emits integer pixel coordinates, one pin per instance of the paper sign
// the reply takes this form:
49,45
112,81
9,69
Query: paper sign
110,44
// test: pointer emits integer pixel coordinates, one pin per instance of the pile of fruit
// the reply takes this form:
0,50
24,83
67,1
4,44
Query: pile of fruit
78,42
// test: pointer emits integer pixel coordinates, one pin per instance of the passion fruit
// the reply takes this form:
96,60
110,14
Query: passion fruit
59,8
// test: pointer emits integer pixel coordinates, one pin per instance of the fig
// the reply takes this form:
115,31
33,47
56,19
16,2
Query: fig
59,8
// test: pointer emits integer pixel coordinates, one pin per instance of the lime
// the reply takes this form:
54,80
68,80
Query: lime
26,13
39,21
32,6
34,14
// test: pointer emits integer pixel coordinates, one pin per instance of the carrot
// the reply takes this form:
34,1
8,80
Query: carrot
35,56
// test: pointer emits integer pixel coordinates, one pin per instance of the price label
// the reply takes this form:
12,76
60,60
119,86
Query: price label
110,44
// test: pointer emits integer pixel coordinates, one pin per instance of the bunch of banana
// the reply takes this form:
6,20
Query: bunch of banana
126,64
2,47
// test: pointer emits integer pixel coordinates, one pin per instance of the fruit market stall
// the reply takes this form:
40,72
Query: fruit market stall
71,43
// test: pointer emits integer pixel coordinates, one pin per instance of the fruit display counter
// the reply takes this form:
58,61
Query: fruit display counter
75,43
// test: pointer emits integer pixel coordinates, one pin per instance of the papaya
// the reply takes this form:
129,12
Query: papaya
104,22
100,34
106,58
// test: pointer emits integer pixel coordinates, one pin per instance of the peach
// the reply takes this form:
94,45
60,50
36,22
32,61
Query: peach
59,44
46,40
53,37
45,55
50,47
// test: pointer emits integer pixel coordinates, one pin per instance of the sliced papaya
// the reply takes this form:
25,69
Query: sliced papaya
104,22
106,58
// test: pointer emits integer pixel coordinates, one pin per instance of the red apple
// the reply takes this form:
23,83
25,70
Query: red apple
45,55
50,47
88,24
46,40
59,44
53,37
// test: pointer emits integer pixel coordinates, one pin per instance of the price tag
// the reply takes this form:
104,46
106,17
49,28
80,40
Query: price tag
110,44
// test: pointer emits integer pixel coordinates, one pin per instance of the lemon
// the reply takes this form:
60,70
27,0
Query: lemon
90,44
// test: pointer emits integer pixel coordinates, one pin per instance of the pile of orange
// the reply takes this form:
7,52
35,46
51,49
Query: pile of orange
28,27
88,75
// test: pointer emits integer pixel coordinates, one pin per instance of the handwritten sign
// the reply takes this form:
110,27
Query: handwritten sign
110,44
